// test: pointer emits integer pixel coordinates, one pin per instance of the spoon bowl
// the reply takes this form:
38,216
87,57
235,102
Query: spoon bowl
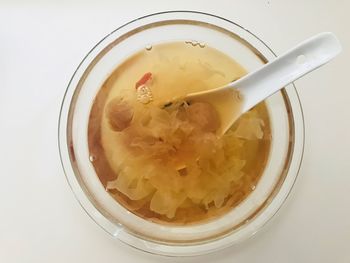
241,95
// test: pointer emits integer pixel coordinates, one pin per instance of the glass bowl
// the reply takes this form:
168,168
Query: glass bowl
287,128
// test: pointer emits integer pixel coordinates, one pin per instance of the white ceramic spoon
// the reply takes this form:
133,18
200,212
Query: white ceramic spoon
262,83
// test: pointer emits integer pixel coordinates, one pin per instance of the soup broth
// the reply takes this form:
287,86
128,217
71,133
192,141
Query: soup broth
165,162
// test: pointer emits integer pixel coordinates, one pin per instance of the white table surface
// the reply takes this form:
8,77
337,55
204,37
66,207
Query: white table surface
42,43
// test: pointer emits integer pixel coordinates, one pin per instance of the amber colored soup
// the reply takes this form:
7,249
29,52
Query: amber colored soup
175,175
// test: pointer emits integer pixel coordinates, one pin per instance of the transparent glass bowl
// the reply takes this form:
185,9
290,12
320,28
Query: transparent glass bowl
241,222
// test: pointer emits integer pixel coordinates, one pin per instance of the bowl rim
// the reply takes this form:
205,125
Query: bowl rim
61,139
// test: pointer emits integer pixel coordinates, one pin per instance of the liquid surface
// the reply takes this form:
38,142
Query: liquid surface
165,163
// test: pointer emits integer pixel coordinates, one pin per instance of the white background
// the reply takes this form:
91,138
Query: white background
41,44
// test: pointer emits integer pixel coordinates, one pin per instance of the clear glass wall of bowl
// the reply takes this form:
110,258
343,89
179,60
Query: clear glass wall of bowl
244,220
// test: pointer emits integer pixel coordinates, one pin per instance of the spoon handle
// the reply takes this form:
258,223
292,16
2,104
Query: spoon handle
305,57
